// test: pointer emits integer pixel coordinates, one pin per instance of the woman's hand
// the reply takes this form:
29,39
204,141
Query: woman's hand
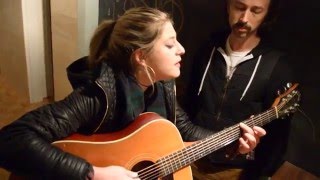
114,173
250,138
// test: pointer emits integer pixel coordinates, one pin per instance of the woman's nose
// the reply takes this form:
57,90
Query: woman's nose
181,49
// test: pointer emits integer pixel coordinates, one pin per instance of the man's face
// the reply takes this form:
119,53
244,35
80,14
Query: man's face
245,16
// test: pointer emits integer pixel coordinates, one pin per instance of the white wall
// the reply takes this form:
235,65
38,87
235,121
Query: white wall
73,23
88,14
33,25
32,11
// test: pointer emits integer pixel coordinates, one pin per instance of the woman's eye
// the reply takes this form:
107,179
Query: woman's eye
169,46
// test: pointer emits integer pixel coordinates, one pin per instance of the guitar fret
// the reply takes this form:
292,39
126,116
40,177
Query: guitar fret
170,168
269,116
175,162
166,169
182,155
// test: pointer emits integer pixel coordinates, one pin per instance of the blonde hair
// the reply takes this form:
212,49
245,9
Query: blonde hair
115,41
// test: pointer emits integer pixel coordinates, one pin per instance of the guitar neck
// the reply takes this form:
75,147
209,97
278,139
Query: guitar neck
196,151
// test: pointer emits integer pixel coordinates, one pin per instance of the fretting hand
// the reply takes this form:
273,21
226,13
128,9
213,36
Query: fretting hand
250,138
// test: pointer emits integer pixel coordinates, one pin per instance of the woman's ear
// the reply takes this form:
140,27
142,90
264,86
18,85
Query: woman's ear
139,57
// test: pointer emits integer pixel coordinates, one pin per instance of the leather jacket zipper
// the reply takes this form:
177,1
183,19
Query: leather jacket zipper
107,108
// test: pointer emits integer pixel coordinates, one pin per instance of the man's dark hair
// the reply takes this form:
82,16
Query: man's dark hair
266,26
270,18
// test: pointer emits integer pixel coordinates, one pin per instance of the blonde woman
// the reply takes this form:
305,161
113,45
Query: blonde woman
130,70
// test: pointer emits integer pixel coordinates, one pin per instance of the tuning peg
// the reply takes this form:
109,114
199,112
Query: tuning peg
285,88
289,85
279,92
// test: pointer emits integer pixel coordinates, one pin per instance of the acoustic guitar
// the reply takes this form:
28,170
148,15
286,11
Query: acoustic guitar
153,147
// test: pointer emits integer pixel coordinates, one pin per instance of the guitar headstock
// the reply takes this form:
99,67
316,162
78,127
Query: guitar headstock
288,101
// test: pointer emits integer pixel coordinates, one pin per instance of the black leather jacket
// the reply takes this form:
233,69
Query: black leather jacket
26,143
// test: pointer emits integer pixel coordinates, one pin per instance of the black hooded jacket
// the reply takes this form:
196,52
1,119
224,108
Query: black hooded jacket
219,102
91,108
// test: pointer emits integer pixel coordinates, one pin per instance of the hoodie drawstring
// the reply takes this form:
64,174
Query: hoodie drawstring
206,71
251,78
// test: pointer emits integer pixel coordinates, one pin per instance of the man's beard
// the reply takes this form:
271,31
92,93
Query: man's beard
241,25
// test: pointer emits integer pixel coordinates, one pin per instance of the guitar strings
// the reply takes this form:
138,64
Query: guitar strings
236,128
180,153
169,162
153,171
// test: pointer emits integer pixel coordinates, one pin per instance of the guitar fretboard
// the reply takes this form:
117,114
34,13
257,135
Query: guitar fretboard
196,151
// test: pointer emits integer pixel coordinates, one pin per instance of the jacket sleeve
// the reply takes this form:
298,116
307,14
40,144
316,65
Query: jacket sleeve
188,130
26,143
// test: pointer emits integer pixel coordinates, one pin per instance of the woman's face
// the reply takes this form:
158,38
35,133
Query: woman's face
165,56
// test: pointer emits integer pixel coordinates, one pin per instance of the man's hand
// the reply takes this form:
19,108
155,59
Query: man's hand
250,138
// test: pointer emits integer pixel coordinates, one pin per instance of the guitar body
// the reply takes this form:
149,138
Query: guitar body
141,144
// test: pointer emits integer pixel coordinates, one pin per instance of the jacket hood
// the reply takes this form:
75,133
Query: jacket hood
79,73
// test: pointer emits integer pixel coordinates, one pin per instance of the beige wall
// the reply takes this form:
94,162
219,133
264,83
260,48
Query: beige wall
64,43
12,50
73,23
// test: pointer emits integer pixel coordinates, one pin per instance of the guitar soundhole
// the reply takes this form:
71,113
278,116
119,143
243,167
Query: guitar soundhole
152,171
